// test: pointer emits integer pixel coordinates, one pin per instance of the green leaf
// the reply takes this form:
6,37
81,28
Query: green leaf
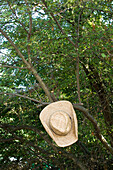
103,55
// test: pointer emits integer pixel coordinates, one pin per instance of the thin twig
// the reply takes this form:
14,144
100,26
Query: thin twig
26,97
77,60
35,91
97,9
29,33
13,67
16,16
59,25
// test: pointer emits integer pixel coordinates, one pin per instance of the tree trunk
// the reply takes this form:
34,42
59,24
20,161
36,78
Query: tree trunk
97,85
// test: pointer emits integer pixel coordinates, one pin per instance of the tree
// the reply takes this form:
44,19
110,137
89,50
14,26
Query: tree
55,50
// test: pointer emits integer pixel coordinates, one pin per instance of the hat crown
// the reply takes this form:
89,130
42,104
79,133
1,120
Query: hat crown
60,123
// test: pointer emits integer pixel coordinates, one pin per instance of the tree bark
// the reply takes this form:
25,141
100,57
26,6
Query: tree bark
97,85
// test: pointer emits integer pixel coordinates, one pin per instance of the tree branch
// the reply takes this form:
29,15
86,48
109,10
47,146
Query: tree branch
77,60
12,129
16,16
29,66
97,9
59,25
75,45
29,33
97,129
82,109
15,47
21,68
4,140
26,97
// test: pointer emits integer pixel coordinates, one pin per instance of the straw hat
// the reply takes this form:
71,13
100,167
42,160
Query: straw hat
60,122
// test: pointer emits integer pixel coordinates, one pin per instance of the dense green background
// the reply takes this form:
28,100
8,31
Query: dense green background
50,51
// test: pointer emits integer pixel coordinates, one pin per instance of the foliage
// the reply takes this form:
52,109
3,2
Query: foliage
55,50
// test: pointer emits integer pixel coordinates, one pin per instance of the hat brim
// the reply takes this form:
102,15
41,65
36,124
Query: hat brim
67,107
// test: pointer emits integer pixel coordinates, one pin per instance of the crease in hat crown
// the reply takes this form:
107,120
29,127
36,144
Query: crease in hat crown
60,123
